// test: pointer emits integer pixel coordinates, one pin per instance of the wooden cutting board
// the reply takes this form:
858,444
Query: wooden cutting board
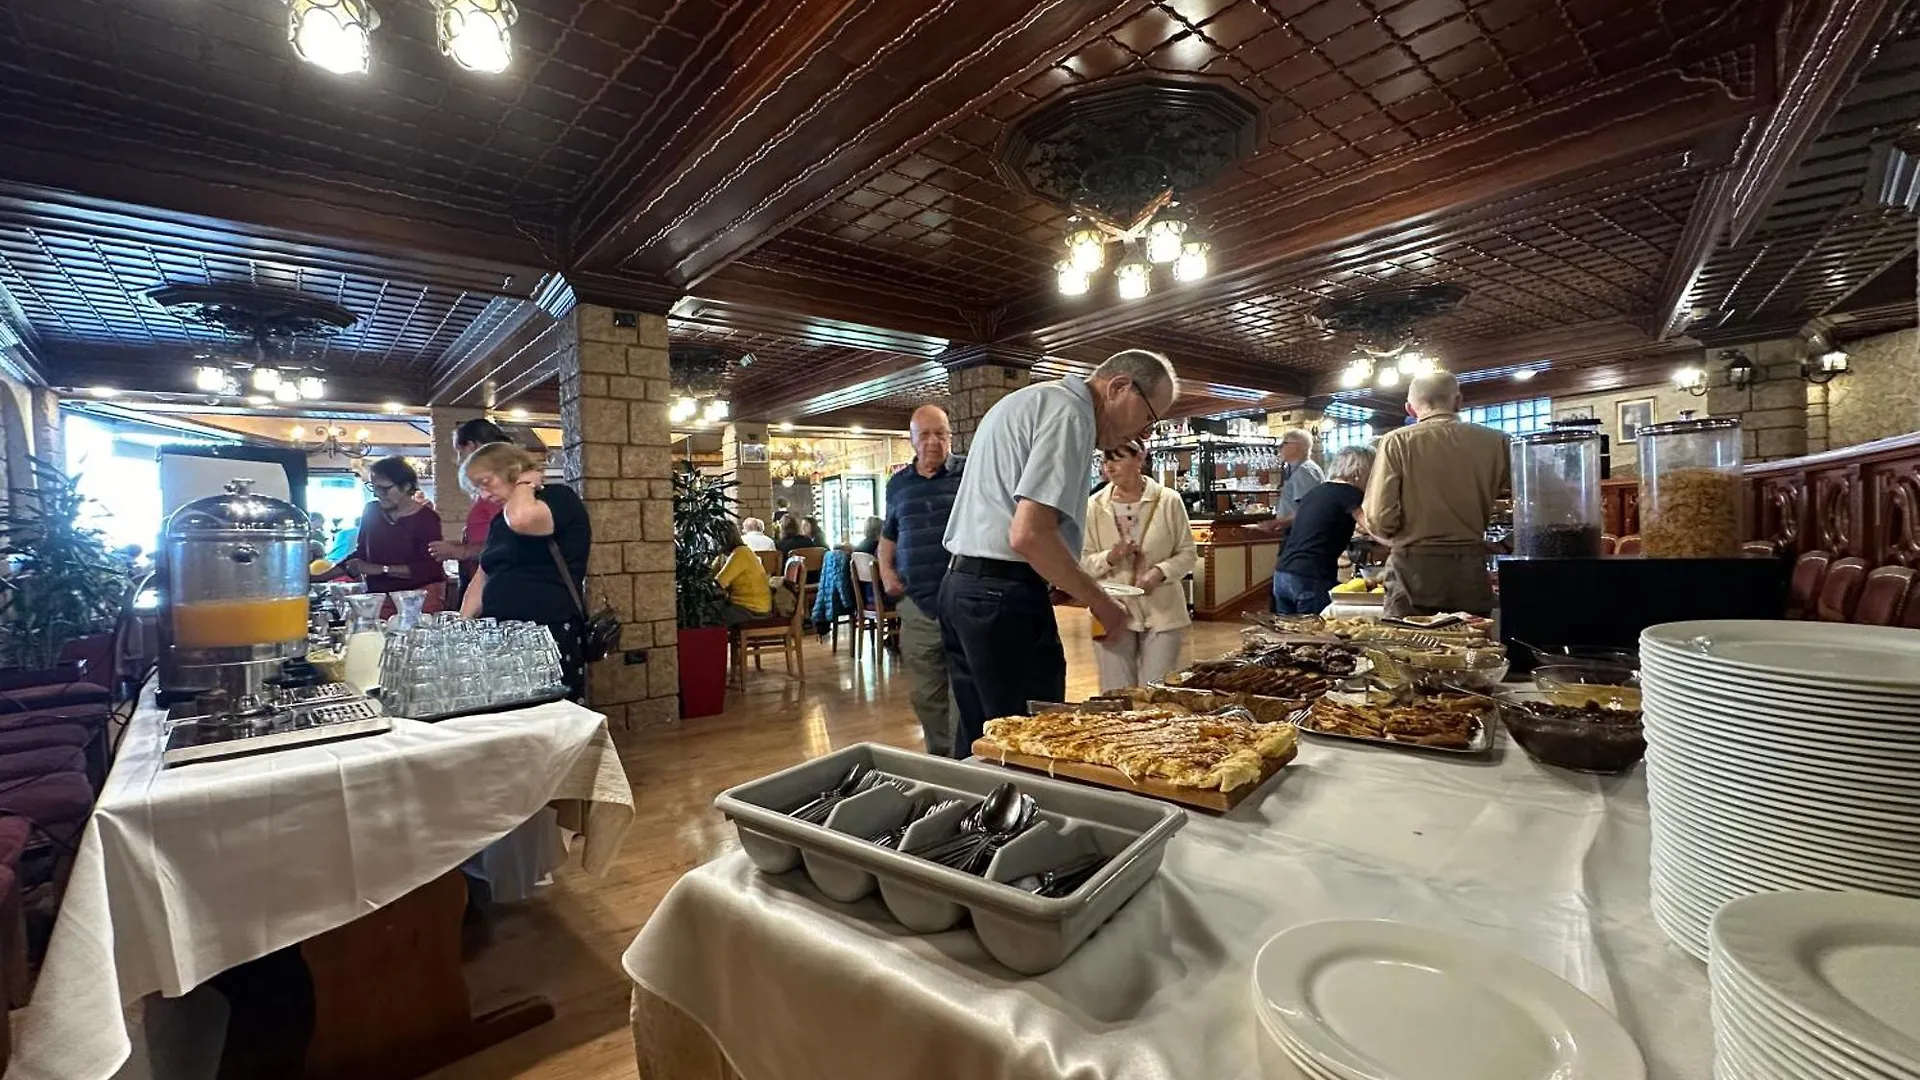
1105,776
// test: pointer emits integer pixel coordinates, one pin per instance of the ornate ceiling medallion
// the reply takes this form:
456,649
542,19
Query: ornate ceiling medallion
271,322
698,376
1120,156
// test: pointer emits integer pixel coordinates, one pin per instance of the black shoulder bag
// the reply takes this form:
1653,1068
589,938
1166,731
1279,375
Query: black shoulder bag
600,634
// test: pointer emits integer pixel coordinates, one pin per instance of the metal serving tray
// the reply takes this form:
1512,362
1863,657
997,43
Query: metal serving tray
1481,739
1028,933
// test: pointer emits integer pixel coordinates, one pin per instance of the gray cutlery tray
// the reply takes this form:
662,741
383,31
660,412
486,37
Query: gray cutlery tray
1028,933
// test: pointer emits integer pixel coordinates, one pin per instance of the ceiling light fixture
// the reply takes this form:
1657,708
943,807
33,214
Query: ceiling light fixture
1690,379
1824,368
786,425
1070,279
333,35
1387,376
103,391
332,441
1525,375
1086,246
286,391
1192,264
394,407
1165,239
259,400
1133,279
516,413
477,34
857,430
266,379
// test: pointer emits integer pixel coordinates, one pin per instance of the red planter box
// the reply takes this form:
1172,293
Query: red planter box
703,671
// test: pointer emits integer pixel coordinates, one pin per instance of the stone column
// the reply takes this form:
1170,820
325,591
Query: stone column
450,496
47,433
753,492
613,410
977,377
1772,410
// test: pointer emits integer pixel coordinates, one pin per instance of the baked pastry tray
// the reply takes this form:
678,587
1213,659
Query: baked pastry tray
1480,741
1026,932
1106,776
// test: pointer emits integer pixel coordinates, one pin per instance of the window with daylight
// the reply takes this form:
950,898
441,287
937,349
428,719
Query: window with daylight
1512,417
1340,436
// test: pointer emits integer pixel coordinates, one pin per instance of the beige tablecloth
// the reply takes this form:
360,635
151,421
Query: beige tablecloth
1550,864
185,872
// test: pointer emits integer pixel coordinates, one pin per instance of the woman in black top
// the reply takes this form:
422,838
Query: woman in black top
792,536
518,576
1309,565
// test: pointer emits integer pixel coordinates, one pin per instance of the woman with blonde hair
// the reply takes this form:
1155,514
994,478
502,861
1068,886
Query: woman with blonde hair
1137,534
520,576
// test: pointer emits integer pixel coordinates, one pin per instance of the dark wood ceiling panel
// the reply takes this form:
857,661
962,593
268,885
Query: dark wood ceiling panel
216,80
1342,83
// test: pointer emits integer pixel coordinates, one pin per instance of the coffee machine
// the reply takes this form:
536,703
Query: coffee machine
234,603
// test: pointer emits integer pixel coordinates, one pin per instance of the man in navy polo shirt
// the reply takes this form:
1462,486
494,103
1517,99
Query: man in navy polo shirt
913,559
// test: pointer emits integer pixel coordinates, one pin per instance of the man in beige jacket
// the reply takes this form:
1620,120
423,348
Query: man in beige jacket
1432,493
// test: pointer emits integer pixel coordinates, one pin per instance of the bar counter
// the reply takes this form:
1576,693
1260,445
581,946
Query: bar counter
1236,568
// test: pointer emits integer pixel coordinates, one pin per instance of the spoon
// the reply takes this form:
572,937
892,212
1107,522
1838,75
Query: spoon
816,809
1061,880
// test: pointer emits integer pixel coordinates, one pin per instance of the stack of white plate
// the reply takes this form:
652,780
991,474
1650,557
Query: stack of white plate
1780,755
1813,986
1371,1000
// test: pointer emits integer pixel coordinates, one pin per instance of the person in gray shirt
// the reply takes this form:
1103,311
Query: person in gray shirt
1016,529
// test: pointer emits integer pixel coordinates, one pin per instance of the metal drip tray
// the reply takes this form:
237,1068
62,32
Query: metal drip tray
329,719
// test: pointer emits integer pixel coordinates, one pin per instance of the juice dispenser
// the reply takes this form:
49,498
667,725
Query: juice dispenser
236,593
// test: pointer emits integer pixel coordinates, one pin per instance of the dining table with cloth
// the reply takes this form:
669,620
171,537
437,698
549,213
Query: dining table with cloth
185,872
749,975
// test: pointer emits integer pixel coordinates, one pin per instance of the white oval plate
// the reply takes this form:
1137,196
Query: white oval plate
1817,652
1380,1000
1118,588
1846,961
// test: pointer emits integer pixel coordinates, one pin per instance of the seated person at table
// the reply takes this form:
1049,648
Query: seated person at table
870,543
754,532
792,536
1322,526
749,596
1432,492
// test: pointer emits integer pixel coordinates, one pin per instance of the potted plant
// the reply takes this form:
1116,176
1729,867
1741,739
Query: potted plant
60,582
702,510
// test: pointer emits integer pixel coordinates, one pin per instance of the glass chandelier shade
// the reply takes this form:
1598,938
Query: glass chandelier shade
1071,280
334,35
1192,263
477,34
1164,239
1086,249
1133,279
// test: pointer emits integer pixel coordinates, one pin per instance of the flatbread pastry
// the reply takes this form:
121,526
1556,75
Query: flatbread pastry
1165,744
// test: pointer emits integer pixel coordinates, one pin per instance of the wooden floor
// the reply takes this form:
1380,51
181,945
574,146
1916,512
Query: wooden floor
567,943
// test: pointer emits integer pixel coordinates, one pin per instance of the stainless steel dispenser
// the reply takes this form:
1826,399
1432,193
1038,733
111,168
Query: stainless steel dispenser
236,594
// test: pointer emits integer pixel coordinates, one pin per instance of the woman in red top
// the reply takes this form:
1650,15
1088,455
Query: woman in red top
468,437
395,531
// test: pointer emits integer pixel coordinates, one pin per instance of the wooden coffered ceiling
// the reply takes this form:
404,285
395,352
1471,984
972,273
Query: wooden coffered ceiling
812,183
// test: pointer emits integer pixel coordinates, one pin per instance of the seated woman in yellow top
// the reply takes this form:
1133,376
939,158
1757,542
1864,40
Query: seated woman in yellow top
749,596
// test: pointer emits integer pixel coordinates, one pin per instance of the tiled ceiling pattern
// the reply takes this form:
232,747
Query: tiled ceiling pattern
1343,83
1572,264
217,79
785,369
1826,234
74,288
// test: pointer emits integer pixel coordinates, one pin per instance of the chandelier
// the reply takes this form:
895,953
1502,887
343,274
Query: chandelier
337,35
698,375
1120,156
331,441
1381,324
273,324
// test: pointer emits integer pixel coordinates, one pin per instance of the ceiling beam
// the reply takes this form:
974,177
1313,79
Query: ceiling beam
1580,380
833,90
1828,44
168,369
1562,347
1482,169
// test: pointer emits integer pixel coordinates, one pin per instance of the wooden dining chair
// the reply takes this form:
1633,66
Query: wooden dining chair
1803,589
1840,593
786,634
1885,596
772,561
1609,544
1629,545
873,615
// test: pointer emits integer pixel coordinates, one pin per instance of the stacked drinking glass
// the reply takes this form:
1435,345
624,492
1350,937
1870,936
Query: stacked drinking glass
446,664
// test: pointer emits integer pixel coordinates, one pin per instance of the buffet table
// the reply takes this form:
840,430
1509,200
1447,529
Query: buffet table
1543,862
186,872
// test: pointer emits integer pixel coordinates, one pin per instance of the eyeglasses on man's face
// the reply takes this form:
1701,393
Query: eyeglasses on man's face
381,489
1152,413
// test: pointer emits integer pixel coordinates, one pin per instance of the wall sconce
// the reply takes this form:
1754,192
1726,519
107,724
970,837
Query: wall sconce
1822,369
1693,380
1741,372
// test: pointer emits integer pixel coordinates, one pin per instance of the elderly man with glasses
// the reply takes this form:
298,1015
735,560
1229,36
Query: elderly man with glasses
1016,529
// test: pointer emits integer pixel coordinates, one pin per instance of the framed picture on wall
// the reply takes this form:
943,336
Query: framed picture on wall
1635,415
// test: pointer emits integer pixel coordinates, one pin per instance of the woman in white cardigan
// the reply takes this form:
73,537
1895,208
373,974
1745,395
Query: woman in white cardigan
1137,533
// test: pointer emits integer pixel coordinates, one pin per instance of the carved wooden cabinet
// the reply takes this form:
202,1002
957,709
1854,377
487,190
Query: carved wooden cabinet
1861,501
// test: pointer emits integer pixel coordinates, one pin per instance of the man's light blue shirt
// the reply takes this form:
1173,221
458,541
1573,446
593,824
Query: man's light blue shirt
1036,443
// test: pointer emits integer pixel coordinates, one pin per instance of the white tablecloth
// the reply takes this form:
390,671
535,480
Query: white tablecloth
1549,864
183,873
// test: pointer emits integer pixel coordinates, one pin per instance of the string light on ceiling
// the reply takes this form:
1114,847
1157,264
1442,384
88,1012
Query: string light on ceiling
337,35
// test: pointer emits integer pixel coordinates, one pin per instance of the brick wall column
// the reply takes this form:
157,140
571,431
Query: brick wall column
1773,410
48,437
613,411
978,376
450,496
754,480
